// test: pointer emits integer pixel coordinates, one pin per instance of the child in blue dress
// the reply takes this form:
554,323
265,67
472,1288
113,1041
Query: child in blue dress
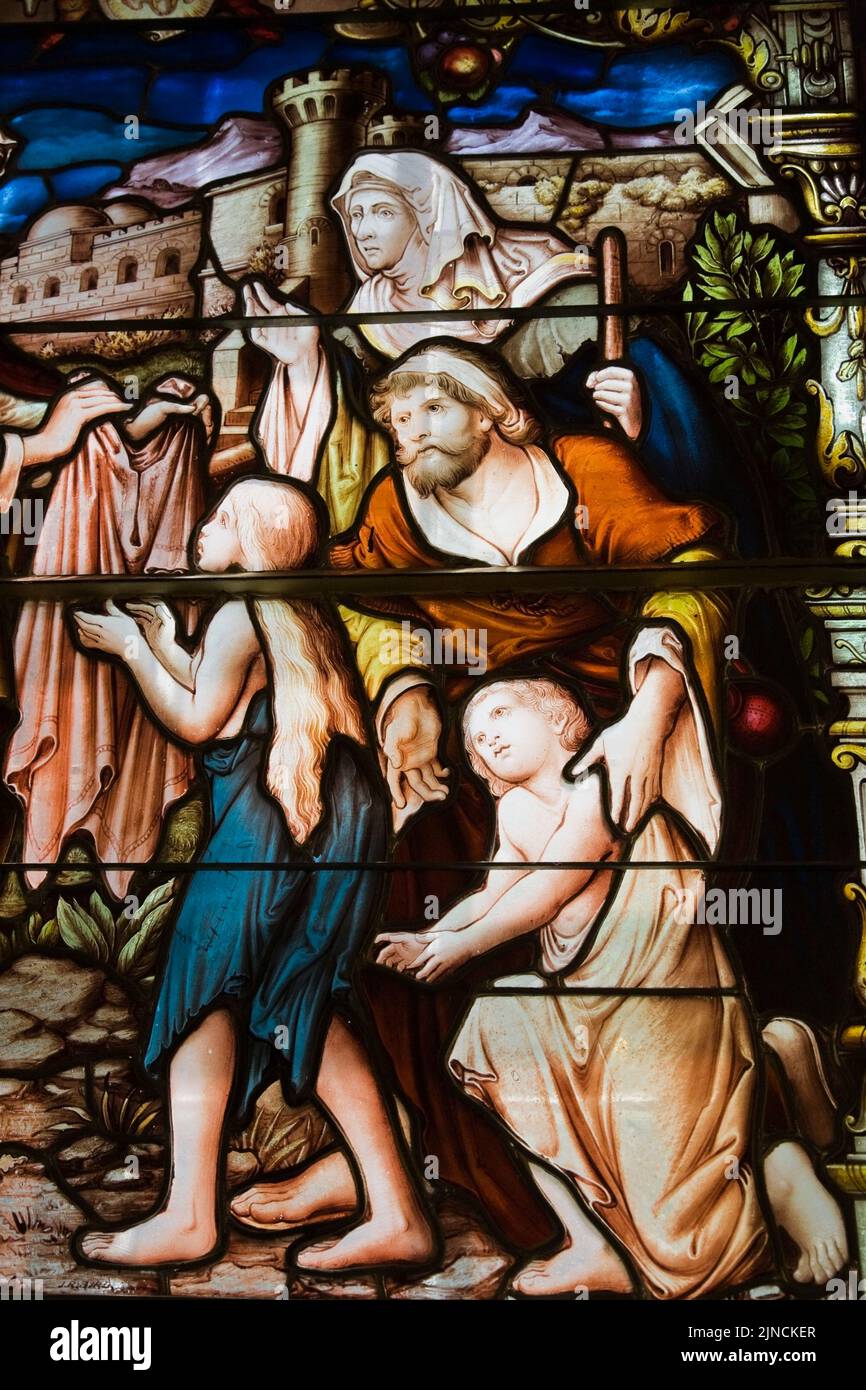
261,957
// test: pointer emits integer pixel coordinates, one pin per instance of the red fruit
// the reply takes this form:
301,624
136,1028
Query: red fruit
760,720
464,66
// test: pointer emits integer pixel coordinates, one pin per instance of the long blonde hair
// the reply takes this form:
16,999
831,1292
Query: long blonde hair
313,687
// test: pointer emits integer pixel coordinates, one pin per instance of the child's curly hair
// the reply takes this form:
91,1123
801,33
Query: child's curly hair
554,702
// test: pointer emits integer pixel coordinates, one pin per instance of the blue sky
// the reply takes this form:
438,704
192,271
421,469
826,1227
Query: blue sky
67,105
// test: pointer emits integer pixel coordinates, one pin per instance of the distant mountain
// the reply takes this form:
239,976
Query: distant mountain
551,132
240,145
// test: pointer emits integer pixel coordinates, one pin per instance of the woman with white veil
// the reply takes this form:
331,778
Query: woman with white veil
421,242
456,257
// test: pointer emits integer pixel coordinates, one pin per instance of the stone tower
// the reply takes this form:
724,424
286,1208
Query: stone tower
327,115
395,132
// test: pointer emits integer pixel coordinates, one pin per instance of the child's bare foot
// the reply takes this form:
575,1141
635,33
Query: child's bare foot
808,1213
573,1270
324,1191
163,1239
389,1239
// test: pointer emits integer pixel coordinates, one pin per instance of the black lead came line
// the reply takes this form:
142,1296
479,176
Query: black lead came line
356,585
633,308
171,868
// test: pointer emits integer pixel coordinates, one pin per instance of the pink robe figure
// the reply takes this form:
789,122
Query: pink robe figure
86,755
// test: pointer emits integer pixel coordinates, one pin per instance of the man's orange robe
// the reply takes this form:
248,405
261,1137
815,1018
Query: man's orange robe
581,635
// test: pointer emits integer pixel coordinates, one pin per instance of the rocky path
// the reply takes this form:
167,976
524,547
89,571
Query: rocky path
81,1140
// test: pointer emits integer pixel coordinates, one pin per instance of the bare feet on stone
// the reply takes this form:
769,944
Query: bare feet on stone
324,1191
167,1238
574,1270
389,1238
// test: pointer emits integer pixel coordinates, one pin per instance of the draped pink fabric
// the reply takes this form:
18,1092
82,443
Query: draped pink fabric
86,755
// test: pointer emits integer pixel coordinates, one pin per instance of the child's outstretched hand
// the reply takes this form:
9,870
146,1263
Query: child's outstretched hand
108,632
444,952
400,949
426,955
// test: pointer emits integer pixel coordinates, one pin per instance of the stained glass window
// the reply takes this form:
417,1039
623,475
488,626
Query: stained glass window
433,650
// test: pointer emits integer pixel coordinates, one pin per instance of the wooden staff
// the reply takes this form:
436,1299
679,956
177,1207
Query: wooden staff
613,255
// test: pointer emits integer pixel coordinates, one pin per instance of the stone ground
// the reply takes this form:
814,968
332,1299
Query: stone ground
82,1141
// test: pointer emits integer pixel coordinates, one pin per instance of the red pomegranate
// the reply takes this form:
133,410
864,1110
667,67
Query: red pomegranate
464,65
761,720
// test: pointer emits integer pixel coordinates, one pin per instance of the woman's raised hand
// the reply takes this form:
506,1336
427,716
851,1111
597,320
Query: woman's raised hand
294,342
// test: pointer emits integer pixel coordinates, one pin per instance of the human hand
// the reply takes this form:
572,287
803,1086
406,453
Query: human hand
107,632
444,952
155,413
616,391
633,748
410,743
295,343
158,624
81,405
400,949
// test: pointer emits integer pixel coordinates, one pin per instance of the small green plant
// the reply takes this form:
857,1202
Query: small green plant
127,944
762,351
28,934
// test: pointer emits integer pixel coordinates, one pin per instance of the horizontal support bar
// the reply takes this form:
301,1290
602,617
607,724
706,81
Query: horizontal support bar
522,579
435,316
93,869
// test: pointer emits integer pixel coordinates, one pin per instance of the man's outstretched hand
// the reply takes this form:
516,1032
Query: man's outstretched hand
410,744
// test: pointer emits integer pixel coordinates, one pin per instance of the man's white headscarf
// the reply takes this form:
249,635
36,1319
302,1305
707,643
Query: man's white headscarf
466,371
457,257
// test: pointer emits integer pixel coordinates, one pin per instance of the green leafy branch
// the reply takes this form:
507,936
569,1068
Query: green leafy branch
761,357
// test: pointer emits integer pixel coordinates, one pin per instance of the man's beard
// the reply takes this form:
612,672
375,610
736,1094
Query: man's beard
434,467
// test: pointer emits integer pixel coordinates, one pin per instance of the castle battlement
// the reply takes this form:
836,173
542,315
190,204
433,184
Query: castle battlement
139,228
393,130
346,94
318,80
